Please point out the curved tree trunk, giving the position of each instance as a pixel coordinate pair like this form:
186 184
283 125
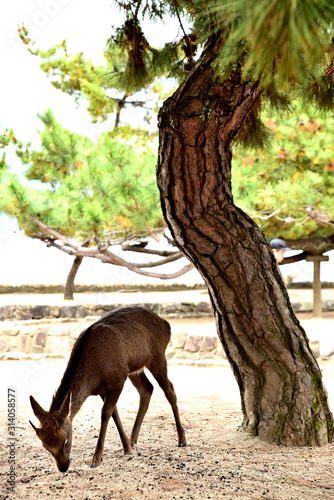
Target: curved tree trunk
69 285
282 395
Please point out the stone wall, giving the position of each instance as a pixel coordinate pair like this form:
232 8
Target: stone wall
51 330
158 287
30 339
46 289
24 312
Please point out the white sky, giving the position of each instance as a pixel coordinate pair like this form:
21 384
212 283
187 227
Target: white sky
25 89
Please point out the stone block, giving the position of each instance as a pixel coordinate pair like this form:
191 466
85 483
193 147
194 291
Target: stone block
82 311
220 352
40 337
206 355
193 343
54 311
179 340
4 344
170 353
25 342
36 349
170 309
27 330
13 342
9 328
204 307
9 312
209 343
67 311
38 312
22 312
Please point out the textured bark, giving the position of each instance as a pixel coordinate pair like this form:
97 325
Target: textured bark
282 395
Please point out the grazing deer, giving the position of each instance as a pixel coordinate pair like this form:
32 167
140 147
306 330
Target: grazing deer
117 346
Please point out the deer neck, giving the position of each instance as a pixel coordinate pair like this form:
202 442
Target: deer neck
74 381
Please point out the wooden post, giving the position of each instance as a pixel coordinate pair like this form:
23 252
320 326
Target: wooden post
317 302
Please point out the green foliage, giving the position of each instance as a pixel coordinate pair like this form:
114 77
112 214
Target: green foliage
134 62
288 189
284 45
75 76
88 84
106 189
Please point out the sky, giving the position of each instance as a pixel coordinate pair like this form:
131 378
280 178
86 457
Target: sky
26 91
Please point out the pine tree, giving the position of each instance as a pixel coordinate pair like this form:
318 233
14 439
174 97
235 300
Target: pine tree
236 57
124 202
288 187
101 194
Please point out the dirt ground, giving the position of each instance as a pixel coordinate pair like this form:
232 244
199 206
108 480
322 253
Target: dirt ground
219 461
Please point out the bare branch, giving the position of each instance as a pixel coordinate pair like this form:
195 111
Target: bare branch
170 258
140 249
105 255
293 258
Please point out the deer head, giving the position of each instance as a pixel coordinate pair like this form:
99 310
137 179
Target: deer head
55 431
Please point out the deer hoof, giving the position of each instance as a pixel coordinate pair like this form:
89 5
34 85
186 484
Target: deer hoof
182 445
96 463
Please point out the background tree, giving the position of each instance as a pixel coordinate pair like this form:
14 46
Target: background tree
56 166
89 84
102 194
288 188
236 56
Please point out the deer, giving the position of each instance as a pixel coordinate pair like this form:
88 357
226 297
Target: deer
116 347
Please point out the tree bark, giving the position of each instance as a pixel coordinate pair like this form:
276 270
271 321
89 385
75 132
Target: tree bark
282 395
69 285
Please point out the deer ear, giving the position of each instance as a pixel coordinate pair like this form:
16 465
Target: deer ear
38 410
65 407
35 428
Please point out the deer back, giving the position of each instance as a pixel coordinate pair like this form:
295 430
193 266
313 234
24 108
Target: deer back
124 339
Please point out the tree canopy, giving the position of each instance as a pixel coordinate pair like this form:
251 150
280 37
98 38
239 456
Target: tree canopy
104 190
286 186
101 193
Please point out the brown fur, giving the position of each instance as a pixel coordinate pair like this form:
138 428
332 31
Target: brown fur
117 346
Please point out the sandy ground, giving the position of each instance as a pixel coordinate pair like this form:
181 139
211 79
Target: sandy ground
219 462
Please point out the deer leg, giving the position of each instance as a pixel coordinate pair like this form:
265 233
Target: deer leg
145 389
127 447
158 368
108 408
